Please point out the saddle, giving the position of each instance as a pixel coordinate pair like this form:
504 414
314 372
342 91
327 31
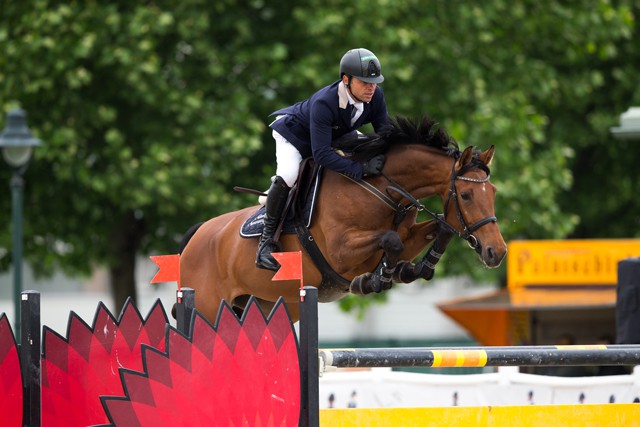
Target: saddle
297 218
300 204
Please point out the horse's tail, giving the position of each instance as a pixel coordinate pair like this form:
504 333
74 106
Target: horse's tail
183 244
188 235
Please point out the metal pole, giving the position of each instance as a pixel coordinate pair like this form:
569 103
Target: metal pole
309 364
30 358
186 298
17 186
482 356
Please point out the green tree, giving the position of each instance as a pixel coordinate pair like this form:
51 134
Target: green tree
151 112
144 122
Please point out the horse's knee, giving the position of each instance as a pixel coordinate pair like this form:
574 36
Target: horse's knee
391 244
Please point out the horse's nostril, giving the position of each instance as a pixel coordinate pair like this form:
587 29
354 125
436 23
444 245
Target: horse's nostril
491 254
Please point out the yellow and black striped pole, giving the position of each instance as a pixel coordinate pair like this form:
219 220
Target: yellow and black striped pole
452 357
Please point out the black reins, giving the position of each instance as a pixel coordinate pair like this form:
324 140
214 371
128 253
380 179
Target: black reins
467 231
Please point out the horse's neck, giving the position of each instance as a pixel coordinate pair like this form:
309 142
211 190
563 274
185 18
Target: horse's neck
342 202
422 171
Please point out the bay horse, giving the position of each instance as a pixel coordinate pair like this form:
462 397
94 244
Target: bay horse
367 231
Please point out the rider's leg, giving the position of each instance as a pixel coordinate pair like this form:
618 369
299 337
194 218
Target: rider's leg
288 162
276 200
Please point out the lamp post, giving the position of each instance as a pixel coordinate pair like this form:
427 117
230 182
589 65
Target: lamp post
17 143
629 125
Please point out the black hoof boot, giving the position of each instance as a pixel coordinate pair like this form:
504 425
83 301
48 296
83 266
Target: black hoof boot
366 284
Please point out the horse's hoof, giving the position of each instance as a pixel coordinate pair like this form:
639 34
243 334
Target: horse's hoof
428 274
376 284
356 286
366 284
405 273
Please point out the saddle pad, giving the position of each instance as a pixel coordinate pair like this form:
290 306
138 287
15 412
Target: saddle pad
252 227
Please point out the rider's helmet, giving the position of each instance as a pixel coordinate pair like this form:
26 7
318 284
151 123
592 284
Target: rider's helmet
363 64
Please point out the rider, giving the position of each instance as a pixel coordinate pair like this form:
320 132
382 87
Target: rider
307 129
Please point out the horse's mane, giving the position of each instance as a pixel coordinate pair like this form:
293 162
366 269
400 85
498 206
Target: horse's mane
401 131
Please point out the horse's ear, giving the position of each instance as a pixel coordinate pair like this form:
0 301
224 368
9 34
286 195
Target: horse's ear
487 156
465 158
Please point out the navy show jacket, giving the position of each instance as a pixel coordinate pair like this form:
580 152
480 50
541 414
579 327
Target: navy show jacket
312 124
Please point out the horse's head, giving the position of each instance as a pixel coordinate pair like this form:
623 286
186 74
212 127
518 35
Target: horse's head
469 205
415 151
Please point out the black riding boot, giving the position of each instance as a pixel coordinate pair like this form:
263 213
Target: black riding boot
276 201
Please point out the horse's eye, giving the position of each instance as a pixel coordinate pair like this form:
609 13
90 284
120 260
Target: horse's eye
466 196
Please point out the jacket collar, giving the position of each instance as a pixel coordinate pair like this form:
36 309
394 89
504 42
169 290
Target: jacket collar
343 99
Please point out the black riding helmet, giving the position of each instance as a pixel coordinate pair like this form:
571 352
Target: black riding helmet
363 64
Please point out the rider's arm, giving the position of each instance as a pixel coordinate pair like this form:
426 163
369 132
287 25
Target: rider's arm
321 122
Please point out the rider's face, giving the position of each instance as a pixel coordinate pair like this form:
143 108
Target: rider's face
360 90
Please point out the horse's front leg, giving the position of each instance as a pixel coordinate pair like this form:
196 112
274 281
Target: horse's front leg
408 272
381 279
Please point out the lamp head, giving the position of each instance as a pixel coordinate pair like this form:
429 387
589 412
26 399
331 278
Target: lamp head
16 141
629 125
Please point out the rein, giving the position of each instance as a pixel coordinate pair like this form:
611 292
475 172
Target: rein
401 210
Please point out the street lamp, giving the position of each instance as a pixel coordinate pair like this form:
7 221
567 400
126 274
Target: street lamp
16 143
629 125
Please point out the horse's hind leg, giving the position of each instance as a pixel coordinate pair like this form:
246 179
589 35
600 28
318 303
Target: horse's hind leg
380 280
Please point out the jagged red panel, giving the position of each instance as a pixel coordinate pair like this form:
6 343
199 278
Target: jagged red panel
11 398
78 370
240 373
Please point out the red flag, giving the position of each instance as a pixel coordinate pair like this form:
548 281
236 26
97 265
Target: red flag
290 265
168 268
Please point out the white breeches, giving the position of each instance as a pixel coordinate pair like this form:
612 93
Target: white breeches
288 159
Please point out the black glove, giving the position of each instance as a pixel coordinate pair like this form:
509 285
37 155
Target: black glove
373 166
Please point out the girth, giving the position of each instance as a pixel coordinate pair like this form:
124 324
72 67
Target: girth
309 170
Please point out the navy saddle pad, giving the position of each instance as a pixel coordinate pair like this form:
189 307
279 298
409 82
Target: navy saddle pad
253 226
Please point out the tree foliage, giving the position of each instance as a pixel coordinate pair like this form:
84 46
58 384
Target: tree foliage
151 111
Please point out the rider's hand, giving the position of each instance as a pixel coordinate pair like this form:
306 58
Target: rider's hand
373 167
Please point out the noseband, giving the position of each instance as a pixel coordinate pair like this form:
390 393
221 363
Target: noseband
467 231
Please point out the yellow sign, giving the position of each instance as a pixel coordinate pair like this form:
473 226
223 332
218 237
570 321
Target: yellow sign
567 262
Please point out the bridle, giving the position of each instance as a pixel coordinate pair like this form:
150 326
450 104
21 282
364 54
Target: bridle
467 231
441 219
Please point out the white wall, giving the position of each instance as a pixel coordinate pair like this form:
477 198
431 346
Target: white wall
383 388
